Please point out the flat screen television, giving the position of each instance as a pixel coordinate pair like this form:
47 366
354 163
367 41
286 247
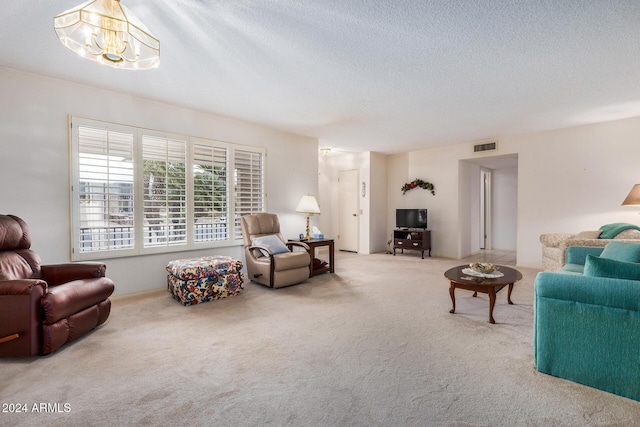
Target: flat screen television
411 218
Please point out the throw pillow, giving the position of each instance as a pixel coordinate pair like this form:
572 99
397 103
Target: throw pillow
603 267
585 235
622 251
272 242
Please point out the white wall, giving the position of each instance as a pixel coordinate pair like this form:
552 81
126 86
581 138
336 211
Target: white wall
504 208
569 180
372 171
469 207
397 165
440 167
502 231
34 164
573 180
377 193
329 168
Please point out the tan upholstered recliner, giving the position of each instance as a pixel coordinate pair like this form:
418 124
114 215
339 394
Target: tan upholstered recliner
270 259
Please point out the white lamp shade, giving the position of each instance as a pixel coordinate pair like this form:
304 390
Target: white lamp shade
308 204
633 198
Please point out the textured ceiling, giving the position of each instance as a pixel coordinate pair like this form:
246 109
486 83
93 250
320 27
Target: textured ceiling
386 76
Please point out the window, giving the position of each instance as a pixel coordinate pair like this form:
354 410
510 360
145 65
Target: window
249 181
137 191
164 170
210 192
105 196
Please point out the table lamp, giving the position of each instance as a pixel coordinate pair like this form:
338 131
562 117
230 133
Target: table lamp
633 198
308 205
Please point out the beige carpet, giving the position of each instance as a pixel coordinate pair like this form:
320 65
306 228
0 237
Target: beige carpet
372 345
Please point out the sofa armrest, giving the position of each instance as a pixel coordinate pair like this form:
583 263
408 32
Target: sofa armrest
299 244
554 240
23 287
585 330
257 251
596 291
58 274
578 254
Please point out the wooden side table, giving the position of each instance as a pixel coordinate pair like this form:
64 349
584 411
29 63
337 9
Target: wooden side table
313 244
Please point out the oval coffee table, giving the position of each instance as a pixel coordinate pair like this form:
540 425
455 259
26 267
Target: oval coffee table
481 284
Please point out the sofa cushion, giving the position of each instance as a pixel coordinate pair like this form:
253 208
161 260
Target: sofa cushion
583 235
66 300
578 254
605 267
292 260
622 251
14 267
572 269
272 242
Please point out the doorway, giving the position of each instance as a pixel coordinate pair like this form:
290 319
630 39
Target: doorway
485 208
488 204
348 219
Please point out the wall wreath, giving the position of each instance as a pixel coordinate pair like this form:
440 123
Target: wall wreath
418 183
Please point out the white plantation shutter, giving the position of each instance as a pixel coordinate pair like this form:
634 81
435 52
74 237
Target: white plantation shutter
105 192
165 191
210 192
138 191
249 185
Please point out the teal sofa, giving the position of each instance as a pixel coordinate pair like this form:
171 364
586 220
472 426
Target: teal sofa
587 319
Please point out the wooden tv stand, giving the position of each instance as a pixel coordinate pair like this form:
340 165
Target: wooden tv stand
415 239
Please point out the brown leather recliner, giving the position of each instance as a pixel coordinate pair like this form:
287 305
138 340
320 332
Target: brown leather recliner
271 269
42 307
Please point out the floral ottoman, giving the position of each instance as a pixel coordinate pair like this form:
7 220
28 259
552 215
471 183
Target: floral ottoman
196 280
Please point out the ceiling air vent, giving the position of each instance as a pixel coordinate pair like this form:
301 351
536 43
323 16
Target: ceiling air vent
487 146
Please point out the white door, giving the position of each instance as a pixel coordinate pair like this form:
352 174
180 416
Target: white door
348 211
485 209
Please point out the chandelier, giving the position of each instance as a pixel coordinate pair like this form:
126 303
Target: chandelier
107 32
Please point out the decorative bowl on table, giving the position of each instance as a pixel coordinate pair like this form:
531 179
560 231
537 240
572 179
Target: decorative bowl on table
483 267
